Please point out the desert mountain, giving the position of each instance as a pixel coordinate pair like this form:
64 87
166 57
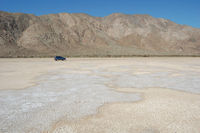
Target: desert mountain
83 35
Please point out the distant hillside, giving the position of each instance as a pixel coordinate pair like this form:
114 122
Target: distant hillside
67 34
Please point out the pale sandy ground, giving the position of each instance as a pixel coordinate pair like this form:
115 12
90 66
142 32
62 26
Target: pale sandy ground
100 95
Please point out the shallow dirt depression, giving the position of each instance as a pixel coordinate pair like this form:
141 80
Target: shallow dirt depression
100 95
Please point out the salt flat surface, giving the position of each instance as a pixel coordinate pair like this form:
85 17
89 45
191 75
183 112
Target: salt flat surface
76 88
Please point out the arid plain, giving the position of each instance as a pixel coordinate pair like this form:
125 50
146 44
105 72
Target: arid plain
100 95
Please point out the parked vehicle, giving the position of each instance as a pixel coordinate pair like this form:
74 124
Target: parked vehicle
57 58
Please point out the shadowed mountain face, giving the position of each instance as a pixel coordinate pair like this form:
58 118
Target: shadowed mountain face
83 35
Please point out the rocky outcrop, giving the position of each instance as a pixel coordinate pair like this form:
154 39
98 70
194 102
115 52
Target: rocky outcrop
83 35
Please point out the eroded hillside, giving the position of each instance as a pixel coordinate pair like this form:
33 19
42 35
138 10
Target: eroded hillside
83 35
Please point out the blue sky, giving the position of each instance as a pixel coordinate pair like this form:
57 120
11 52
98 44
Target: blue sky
180 11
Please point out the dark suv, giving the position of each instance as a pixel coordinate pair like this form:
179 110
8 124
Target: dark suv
56 58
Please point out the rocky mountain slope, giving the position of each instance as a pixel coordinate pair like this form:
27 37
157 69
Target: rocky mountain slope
27 35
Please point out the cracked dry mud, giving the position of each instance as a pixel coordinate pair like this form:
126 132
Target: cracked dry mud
100 95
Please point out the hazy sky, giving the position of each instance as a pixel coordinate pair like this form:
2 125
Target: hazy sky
180 11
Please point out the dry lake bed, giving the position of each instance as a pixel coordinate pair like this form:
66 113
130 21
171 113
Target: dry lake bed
100 95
